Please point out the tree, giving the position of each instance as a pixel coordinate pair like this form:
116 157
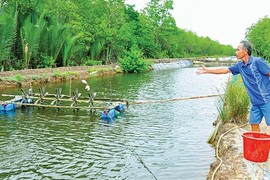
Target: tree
161 21
77 32
30 36
259 35
69 49
8 24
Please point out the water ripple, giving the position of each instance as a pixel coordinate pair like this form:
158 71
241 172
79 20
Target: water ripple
168 138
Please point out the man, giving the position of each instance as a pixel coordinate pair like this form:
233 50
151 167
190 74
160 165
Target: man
255 73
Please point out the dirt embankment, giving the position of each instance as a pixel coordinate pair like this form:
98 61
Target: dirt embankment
47 75
230 163
228 148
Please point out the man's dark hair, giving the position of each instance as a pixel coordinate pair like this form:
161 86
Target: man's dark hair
247 46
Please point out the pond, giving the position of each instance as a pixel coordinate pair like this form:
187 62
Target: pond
152 141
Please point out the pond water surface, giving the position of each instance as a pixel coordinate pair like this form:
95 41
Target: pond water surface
159 140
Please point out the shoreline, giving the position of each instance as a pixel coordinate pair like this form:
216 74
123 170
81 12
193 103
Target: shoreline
51 75
25 77
230 150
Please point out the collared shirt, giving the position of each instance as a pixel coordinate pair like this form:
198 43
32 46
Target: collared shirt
255 78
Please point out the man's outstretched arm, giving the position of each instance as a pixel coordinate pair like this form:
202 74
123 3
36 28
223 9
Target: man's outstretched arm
204 70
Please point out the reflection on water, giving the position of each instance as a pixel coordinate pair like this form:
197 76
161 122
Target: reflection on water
167 138
8 114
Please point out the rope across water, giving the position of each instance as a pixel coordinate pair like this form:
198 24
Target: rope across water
174 99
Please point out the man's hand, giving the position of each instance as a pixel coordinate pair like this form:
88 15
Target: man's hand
201 70
204 70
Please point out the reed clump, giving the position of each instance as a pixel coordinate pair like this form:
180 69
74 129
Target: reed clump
234 105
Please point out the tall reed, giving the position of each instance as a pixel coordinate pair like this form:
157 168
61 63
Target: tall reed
234 105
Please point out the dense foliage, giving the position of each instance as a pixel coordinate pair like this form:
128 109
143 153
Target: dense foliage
132 61
49 33
259 35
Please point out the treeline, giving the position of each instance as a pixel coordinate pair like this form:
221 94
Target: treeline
259 35
50 33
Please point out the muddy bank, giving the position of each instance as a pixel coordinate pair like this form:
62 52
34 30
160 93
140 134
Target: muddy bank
50 75
25 77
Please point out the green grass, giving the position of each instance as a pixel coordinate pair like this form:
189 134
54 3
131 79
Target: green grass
17 78
234 105
57 73
65 75
35 77
91 70
69 73
150 61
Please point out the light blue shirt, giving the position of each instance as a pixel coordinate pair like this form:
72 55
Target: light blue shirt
256 79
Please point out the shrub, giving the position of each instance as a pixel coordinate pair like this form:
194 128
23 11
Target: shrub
132 62
90 62
46 62
18 78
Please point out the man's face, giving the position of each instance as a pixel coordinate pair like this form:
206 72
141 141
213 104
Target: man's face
240 53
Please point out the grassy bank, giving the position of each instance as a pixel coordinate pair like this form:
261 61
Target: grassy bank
20 78
233 107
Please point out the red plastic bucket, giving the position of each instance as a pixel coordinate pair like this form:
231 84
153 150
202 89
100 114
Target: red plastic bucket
256 146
